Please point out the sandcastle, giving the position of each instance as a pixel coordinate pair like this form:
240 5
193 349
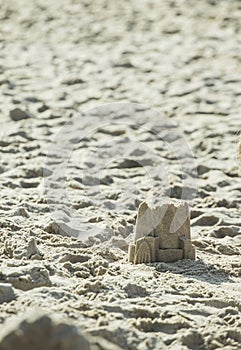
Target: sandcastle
162 234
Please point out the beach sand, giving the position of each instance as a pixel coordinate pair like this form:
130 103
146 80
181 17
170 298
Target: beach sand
103 105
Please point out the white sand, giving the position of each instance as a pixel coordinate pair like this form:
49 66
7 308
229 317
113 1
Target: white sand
59 59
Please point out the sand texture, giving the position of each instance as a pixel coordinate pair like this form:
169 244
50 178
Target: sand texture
103 105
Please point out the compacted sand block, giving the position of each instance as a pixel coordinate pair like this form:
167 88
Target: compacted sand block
162 234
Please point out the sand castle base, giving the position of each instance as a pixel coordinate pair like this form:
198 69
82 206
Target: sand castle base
162 234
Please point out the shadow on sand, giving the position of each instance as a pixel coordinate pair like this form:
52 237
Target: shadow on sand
196 269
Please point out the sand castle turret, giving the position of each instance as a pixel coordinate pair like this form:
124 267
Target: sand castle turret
162 234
